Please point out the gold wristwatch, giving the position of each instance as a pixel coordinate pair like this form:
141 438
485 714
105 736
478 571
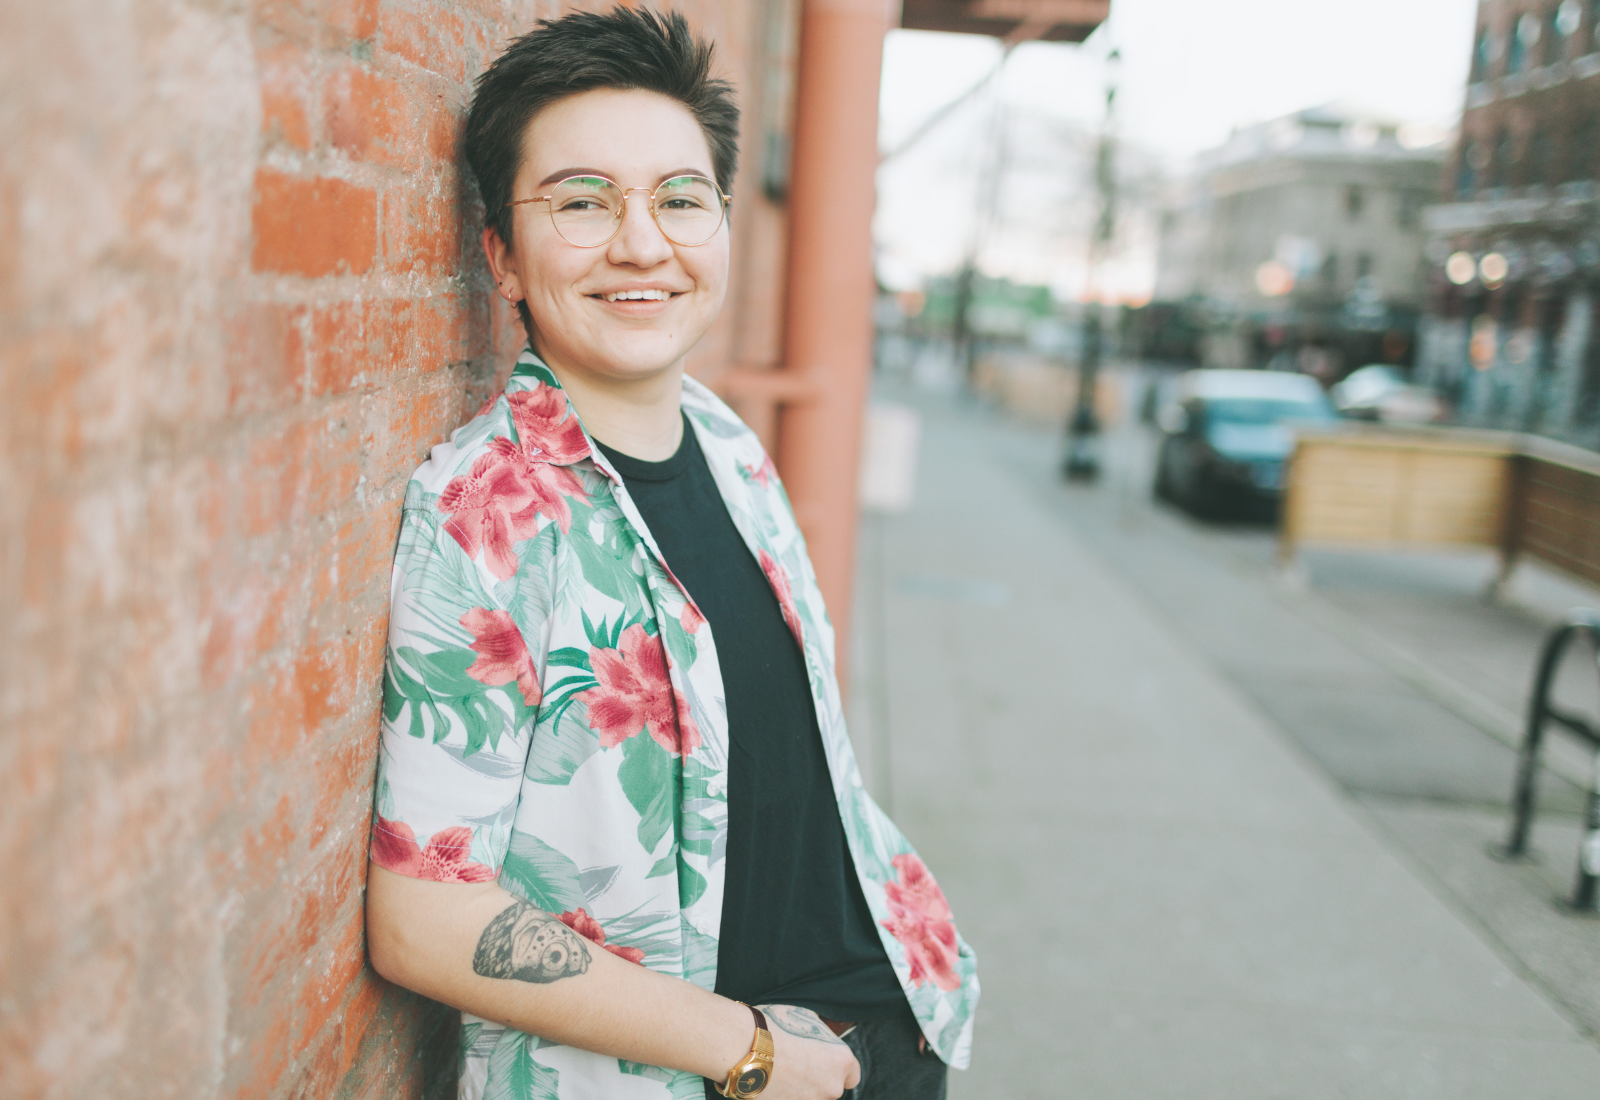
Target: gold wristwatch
750 1076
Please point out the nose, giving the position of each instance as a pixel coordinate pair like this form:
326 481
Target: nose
639 241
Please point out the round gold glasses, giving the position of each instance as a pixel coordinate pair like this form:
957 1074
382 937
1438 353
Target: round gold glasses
587 210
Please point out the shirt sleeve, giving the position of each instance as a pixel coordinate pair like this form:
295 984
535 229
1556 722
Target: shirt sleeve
460 693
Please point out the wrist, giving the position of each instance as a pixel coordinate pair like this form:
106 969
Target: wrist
732 1029
751 1075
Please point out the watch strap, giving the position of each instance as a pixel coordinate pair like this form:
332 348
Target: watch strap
761 1050
763 1032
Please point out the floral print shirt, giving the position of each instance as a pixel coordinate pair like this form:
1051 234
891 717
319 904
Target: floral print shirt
553 719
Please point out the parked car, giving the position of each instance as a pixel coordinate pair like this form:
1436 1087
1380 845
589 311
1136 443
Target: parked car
1378 391
1225 435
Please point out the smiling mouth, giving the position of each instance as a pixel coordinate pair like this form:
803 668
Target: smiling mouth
637 296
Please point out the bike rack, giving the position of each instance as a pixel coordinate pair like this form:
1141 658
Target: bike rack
1540 713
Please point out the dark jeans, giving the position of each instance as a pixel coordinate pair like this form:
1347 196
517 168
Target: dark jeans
892 1068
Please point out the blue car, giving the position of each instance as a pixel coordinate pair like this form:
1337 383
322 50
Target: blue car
1226 434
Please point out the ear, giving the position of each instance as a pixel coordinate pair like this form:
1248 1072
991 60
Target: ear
502 264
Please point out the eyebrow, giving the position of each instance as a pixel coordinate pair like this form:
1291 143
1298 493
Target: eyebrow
566 173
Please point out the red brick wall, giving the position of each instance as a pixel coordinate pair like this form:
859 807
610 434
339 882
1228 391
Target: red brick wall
240 296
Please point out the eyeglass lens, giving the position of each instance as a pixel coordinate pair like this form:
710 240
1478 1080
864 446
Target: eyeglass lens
588 209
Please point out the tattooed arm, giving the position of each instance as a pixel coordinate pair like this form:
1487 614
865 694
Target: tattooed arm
802 1023
478 948
529 945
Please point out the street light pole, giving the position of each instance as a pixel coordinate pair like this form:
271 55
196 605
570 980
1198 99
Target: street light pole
1083 428
991 176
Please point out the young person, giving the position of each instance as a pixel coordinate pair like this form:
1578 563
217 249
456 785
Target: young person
615 793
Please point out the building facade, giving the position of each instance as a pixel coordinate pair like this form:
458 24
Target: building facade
1511 335
1299 243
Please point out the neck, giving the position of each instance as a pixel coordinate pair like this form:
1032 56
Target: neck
639 417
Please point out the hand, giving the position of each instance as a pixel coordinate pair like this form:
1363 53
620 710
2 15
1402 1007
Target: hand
809 1062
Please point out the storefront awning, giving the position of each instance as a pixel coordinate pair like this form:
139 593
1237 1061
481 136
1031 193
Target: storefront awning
1012 20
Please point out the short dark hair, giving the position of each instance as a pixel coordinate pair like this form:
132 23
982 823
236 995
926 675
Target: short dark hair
623 49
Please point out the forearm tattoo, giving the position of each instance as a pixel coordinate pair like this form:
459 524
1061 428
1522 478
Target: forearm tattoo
800 1022
527 944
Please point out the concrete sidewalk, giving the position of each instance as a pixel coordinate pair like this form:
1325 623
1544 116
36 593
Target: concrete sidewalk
1167 899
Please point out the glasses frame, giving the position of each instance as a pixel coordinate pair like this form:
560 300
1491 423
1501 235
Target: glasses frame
622 210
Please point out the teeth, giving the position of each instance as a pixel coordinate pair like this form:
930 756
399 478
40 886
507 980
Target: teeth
638 296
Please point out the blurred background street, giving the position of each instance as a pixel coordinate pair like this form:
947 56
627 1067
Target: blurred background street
1214 833
1232 462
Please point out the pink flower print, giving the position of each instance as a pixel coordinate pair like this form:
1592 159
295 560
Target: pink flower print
446 859
780 588
635 693
502 654
690 618
919 918
764 474
589 928
499 502
544 427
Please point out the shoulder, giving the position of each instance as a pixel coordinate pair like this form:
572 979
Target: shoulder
469 443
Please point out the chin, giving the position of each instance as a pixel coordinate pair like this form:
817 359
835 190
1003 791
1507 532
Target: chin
640 355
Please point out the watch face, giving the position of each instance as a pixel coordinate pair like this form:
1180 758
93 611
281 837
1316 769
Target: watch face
753 1079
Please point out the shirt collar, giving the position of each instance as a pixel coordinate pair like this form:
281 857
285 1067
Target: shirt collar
548 426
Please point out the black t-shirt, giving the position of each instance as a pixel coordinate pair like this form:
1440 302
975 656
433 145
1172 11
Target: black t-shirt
795 926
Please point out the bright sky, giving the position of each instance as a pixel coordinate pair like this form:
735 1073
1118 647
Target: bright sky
1190 71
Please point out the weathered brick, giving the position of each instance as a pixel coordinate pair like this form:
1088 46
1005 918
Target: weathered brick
323 991
421 230
381 118
265 356
353 571
286 86
319 24
339 798
360 1012
430 39
313 227
206 439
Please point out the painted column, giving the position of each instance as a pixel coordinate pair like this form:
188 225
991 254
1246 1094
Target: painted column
828 327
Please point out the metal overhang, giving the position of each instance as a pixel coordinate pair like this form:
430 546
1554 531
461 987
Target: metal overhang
1012 20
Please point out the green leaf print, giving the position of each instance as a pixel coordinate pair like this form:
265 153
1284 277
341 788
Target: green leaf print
527 595
606 566
699 955
680 1086
556 694
681 646
433 561
648 779
514 1075
696 832
951 1035
541 875
561 744
691 883
528 368
441 684
571 657
464 1041
697 776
